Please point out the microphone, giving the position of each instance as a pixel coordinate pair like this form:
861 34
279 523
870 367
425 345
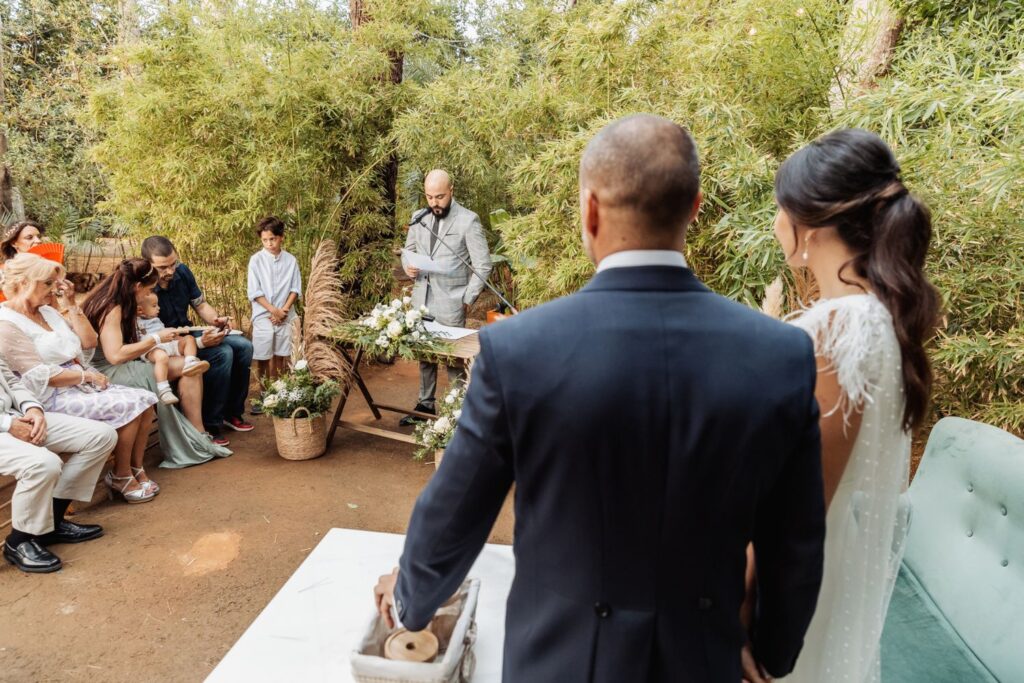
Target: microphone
419 219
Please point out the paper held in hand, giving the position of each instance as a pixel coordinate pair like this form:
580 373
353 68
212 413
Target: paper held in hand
446 332
423 262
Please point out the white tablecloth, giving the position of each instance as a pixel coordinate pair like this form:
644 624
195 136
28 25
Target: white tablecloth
315 620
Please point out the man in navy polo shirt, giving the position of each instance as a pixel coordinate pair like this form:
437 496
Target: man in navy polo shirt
226 383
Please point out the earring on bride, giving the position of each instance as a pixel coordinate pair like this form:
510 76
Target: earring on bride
807 241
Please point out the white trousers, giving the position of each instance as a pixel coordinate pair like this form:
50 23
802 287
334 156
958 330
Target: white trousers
269 339
42 476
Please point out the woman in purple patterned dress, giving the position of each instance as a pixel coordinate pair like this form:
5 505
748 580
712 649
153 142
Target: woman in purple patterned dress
48 354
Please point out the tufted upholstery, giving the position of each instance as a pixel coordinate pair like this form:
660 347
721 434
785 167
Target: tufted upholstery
957 612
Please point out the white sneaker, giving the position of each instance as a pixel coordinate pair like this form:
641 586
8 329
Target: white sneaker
194 366
167 397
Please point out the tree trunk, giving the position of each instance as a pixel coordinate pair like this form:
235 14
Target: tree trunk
869 42
388 175
128 29
6 181
357 11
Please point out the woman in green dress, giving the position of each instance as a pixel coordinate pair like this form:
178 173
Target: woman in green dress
113 311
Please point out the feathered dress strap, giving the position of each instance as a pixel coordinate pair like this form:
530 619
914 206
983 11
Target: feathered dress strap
849 333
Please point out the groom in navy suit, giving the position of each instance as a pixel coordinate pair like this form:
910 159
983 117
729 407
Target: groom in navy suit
653 430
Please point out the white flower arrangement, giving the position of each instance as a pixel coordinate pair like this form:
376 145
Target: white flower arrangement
394 329
298 389
436 434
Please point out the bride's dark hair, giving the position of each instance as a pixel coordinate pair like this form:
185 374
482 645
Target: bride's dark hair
850 180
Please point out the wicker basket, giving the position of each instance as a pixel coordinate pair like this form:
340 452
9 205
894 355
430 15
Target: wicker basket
454 624
300 438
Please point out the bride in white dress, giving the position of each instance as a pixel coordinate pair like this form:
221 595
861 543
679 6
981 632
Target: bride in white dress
846 216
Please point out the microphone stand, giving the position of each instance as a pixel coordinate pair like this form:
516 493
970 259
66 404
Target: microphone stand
419 219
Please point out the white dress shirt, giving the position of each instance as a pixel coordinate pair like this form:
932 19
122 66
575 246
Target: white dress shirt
643 257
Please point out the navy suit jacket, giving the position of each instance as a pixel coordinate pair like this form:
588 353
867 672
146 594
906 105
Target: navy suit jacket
653 429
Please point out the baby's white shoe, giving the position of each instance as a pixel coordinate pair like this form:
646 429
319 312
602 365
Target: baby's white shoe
194 366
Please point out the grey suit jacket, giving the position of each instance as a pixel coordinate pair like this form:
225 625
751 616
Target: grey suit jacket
445 294
14 398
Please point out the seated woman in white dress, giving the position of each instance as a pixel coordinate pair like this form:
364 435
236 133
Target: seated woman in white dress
41 347
845 215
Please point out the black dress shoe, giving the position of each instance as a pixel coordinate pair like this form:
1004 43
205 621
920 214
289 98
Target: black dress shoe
31 557
69 532
410 420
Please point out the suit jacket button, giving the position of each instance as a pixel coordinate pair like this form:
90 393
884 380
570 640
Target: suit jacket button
704 604
602 609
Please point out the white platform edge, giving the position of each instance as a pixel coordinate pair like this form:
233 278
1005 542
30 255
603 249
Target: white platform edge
308 629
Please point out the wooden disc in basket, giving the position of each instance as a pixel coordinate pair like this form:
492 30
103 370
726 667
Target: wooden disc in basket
411 646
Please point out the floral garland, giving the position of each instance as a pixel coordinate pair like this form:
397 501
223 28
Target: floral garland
395 329
437 434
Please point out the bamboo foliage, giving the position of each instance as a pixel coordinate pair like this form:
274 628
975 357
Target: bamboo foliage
510 125
227 112
216 113
954 110
49 52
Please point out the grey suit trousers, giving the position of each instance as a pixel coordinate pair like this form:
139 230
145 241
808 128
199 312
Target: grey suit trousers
428 371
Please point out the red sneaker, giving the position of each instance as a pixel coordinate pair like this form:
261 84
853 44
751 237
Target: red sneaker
238 424
217 439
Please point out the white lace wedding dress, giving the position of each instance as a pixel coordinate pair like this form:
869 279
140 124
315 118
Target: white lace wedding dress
866 522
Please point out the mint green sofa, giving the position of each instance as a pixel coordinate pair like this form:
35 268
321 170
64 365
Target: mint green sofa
957 612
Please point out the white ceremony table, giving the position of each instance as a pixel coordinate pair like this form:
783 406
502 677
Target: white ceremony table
465 348
309 628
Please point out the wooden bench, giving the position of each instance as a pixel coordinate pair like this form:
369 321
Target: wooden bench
7 484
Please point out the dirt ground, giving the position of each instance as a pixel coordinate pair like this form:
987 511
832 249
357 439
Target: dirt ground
174 583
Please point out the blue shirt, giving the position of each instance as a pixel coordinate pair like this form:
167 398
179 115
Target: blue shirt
181 294
273 277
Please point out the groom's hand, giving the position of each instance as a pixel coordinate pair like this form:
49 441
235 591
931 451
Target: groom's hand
384 595
752 671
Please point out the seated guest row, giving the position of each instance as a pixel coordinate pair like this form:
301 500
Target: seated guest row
89 381
81 386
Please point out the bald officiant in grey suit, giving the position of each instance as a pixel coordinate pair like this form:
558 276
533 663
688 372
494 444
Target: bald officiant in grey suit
450 234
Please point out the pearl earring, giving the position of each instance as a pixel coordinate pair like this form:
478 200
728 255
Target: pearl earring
807 241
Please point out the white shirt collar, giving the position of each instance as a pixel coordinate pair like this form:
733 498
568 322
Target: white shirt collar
274 257
642 257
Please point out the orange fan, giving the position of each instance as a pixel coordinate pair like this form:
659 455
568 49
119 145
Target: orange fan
49 250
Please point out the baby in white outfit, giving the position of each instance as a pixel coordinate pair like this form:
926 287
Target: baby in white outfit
161 354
